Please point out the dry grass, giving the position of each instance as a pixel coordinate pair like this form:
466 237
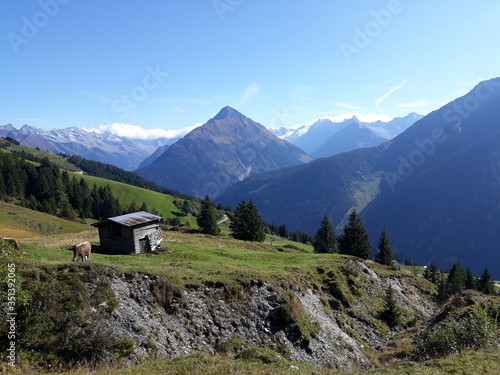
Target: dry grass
61 241
486 362
22 223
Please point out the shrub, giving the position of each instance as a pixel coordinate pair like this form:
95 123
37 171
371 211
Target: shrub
476 329
231 345
292 315
125 347
164 292
262 355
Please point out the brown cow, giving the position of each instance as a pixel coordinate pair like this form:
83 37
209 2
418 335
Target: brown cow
82 250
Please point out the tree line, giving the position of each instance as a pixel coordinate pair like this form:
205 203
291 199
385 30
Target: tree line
248 225
44 187
353 241
111 172
458 279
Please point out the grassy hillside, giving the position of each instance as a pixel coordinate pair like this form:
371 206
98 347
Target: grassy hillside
56 159
194 259
127 194
265 363
190 258
19 222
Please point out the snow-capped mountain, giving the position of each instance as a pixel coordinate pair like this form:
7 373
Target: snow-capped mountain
326 137
100 145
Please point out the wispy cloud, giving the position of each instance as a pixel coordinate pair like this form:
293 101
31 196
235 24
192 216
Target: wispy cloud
248 93
137 132
347 105
414 104
382 99
95 96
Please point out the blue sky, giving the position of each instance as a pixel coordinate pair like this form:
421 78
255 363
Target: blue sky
169 64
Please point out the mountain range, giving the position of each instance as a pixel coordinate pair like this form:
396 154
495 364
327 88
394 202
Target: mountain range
228 148
327 138
124 152
436 186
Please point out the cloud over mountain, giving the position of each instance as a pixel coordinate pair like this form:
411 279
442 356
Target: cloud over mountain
137 132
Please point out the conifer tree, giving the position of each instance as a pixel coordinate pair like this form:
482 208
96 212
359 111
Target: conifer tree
470 280
391 313
207 219
247 224
442 287
354 240
283 231
485 285
144 207
133 207
385 255
431 273
325 240
456 279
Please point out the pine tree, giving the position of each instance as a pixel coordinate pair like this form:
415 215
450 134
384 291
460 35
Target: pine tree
325 240
207 219
354 240
442 287
470 280
456 279
391 314
431 273
133 207
385 255
144 207
283 231
485 285
66 211
247 224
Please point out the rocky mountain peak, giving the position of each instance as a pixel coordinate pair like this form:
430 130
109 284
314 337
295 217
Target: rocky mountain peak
228 112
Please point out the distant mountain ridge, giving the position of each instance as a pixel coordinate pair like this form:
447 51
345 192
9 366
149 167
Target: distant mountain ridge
436 186
226 149
327 138
123 152
109 145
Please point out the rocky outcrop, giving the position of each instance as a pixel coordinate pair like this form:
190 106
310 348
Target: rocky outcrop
335 326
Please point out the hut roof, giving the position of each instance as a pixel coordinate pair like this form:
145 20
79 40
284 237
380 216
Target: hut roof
133 219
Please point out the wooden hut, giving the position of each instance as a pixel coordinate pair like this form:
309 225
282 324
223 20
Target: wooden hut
131 233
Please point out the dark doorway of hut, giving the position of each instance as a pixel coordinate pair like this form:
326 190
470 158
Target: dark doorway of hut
145 244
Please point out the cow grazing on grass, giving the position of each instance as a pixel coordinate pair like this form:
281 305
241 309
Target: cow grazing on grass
82 250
